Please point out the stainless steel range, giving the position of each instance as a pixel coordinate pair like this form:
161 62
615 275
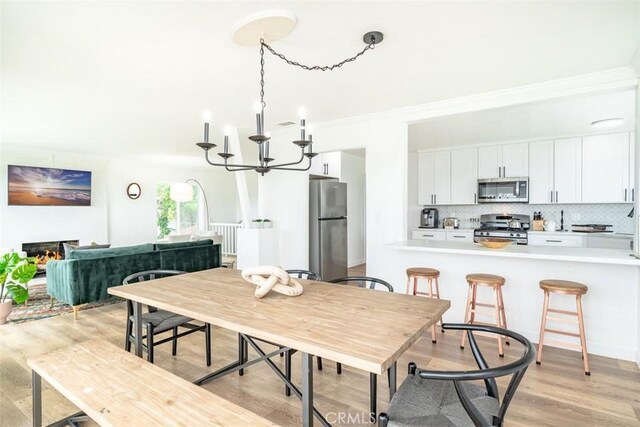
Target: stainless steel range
504 226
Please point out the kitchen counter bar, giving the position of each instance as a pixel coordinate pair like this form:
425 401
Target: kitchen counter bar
611 307
588 255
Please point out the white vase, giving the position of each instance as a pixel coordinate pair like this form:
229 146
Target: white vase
5 311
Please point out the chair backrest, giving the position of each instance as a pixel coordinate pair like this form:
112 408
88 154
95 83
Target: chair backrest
143 276
147 275
364 282
516 369
304 274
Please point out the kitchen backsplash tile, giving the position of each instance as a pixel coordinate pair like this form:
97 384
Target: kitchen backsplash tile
613 214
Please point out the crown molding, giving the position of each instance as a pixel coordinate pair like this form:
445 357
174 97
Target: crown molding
609 80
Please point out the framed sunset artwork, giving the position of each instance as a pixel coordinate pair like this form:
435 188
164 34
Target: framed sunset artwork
35 186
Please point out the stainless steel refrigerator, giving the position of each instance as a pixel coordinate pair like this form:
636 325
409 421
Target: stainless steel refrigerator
328 228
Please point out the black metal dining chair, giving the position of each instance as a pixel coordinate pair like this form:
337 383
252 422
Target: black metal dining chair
157 321
449 398
304 274
361 282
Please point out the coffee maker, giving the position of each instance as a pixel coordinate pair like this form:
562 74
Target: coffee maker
429 218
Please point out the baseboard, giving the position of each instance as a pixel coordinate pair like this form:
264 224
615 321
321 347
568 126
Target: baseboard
356 263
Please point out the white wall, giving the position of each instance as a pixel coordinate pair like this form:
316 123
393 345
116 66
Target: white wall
112 217
352 171
133 221
22 224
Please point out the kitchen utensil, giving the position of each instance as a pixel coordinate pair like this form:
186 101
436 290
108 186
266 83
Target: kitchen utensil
494 243
515 224
550 225
450 222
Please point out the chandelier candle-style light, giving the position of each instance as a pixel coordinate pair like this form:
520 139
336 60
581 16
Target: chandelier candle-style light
266 163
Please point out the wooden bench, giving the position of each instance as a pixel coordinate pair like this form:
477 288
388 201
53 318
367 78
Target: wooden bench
116 388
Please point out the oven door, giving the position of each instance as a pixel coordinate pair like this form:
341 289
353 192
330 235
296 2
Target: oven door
503 190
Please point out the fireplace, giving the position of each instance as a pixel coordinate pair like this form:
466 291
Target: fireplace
46 251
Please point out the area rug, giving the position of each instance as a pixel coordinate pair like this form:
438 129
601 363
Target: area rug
39 306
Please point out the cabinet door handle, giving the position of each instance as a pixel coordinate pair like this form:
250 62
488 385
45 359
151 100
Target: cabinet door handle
625 194
475 198
428 235
551 196
435 199
499 172
556 196
633 194
504 171
554 241
459 237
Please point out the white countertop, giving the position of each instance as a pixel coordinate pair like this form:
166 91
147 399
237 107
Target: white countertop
627 236
590 255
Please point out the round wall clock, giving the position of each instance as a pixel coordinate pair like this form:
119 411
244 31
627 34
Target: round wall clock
134 190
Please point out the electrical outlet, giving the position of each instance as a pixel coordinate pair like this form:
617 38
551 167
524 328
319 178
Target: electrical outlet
575 217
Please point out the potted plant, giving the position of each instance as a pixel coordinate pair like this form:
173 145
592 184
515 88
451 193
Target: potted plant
15 273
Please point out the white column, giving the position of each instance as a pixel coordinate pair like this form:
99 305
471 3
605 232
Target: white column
241 178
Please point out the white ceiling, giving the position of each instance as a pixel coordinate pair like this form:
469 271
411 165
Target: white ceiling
133 77
540 120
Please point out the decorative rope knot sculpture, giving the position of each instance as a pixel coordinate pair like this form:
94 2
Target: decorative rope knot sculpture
269 278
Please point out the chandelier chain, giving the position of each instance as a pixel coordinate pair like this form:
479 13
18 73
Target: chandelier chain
370 46
264 104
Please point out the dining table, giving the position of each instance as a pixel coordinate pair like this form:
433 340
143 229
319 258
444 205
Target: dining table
359 327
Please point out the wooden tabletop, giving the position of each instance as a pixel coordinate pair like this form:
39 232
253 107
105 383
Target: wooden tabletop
116 388
363 328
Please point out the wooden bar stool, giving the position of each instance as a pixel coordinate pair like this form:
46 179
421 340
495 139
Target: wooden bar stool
432 275
551 286
495 283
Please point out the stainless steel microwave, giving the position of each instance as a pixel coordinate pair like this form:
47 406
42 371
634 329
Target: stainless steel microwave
503 190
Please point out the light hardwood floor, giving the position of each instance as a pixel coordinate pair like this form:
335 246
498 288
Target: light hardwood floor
554 394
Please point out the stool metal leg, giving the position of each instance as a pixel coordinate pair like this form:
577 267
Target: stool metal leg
543 326
583 340
373 395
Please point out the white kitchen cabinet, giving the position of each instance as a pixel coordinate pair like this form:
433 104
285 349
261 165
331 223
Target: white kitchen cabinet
464 176
434 178
459 236
541 185
327 165
429 234
515 160
567 170
555 171
605 168
490 162
499 161
554 239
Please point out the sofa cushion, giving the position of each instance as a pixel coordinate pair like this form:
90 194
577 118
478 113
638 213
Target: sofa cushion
109 252
181 245
67 247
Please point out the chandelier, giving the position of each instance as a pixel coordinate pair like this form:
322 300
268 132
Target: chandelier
266 162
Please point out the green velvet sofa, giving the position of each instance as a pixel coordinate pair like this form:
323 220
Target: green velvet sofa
85 275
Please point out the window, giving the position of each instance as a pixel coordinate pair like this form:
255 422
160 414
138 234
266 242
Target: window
177 218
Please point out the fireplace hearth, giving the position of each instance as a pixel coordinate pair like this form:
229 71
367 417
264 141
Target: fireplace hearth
46 251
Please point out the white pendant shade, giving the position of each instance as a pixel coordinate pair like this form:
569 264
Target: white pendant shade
181 192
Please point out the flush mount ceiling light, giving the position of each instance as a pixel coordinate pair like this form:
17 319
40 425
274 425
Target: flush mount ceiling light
258 29
607 123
